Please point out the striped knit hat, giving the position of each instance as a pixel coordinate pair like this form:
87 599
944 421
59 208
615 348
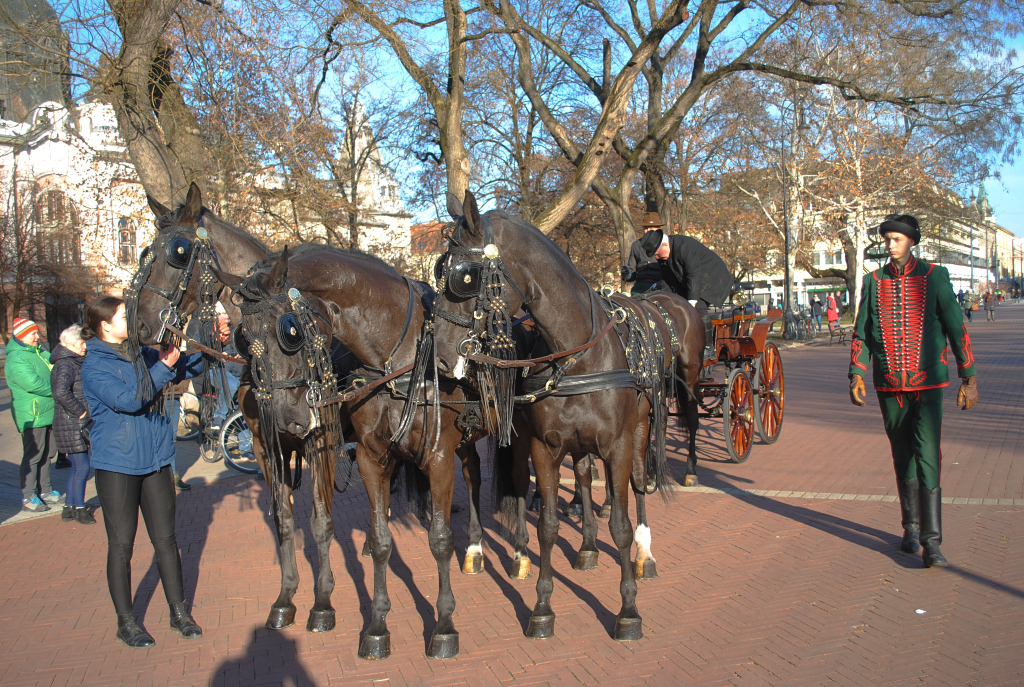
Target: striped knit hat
23 327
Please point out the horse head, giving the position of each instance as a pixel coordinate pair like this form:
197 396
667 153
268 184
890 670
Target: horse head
286 336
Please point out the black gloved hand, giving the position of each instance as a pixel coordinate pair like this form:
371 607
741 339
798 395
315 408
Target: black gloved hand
628 274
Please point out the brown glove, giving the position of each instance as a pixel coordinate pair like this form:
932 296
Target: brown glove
967 397
857 390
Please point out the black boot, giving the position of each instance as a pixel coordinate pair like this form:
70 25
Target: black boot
67 514
181 620
910 505
84 517
931 527
129 632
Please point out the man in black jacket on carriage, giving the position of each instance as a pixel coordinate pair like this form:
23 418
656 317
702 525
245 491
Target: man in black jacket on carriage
692 270
642 269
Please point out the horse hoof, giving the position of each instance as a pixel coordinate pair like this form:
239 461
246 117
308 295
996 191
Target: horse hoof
443 646
606 511
691 481
645 569
320 621
534 506
473 564
521 569
366 549
586 560
375 647
628 629
281 617
541 627
574 510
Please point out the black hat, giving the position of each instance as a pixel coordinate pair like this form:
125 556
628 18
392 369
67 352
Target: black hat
902 224
652 241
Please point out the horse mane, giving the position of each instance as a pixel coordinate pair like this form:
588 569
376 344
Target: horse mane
254 285
171 219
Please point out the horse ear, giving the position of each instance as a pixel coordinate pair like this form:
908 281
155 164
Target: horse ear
472 213
156 206
193 203
276 279
226 278
454 205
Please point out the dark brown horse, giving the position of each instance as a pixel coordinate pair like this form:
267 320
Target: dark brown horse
517 266
380 316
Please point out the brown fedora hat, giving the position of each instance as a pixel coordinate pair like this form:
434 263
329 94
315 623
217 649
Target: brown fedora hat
652 219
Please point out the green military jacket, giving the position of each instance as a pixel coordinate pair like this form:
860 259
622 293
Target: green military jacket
903 324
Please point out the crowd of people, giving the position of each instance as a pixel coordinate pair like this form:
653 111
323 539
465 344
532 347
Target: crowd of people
87 400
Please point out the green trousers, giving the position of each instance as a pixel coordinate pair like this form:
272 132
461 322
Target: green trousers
913 423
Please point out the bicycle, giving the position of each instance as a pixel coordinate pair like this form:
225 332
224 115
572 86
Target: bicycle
188 417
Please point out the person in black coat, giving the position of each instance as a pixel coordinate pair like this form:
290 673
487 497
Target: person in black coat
692 270
70 415
642 269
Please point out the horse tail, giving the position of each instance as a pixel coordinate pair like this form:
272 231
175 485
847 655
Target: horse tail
503 491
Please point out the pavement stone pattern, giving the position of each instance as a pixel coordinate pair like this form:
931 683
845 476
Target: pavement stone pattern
784 570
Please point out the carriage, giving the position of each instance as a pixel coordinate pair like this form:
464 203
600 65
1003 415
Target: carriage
743 382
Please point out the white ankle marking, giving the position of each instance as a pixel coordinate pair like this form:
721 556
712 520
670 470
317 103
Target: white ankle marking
474 549
643 538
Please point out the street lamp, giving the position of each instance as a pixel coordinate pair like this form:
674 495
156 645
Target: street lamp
802 127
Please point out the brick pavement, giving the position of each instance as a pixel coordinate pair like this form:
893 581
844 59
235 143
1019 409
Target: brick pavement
753 589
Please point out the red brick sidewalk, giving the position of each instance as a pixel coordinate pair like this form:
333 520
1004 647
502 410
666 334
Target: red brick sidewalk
753 590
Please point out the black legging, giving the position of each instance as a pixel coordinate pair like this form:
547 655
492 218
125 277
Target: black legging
121 497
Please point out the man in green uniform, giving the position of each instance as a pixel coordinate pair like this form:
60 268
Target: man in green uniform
907 313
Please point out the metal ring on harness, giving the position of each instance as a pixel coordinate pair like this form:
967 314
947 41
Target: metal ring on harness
621 314
468 346
313 396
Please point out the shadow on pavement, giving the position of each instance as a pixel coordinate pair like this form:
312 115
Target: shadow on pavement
270 658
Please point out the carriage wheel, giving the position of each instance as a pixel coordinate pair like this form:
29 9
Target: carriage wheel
770 398
738 416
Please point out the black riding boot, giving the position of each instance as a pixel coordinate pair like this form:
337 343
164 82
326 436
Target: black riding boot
910 505
181 620
931 527
129 632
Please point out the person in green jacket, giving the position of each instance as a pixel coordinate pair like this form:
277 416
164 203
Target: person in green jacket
28 376
908 322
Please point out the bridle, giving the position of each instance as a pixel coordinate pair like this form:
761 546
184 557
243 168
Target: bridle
194 257
298 334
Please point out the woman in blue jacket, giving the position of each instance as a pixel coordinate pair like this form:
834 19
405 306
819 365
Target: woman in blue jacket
132 447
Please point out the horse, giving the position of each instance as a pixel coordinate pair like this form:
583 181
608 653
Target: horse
380 316
496 264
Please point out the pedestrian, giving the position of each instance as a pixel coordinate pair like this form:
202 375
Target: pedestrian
960 298
70 416
990 306
28 375
132 446
816 311
908 312
832 311
969 306
642 269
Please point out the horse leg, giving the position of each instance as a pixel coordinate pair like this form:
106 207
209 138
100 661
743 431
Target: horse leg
606 507
474 560
542 620
282 613
376 642
574 509
521 567
321 616
646 567
444 642
628 625
692 425
586 559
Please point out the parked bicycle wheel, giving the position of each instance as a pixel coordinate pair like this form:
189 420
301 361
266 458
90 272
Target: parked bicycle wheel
236 444
188 417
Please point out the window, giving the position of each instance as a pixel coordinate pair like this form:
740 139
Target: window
56 219
126 254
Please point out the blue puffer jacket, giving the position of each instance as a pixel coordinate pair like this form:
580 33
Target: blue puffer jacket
128 435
